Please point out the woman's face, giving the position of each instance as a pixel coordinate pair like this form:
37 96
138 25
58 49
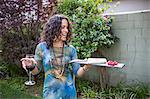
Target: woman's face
64 31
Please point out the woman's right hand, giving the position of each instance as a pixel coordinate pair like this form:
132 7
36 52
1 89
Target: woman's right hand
27 62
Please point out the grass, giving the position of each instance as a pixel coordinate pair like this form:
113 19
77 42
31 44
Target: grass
10 93
14 88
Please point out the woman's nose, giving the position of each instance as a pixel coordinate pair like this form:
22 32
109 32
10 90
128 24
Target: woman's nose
66 30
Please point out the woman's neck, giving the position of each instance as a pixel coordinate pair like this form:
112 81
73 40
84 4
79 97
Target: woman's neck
58 44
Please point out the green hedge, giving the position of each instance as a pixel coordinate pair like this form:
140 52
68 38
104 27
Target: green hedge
90 30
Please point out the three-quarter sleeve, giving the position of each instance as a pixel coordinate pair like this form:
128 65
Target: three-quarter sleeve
38 56
75 66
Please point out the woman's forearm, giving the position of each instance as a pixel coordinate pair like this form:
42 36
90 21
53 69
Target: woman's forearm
83 69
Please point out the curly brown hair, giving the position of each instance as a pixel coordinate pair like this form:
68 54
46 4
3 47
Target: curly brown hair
52 29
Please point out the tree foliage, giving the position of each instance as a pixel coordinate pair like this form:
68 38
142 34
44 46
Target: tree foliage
91 31
20 26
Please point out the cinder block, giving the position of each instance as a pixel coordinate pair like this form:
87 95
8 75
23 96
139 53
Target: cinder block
145 32
134 32
138 24
135 17
120 18
146 23
123 25
146 16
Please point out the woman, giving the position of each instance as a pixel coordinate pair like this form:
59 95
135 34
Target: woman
54 54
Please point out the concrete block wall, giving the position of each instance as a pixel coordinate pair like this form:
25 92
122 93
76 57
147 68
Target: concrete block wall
133 49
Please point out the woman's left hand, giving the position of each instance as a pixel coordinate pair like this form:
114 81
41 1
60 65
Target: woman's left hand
84 69
87 67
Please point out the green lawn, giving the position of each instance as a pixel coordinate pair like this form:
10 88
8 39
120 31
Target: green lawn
13 89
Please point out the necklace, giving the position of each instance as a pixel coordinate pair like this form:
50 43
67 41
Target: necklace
58 64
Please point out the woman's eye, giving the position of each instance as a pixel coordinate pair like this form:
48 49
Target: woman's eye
63 27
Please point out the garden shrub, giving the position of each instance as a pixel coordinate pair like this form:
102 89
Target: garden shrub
21 24
90 90
90 30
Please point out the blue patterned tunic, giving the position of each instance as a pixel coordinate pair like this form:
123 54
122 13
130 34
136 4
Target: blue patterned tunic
55 88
